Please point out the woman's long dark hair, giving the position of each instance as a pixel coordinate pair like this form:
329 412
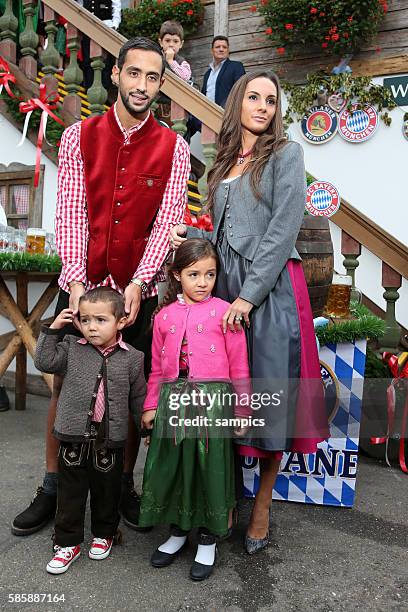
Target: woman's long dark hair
188 252
229 139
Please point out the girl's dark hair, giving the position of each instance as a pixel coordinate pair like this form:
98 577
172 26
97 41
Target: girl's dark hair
107 295
142 43
188 253
229 139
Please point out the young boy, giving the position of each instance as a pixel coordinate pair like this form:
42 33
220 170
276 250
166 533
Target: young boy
103 378
171 39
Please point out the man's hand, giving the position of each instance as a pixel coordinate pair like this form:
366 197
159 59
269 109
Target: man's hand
133 296
176 234
65 317
236 313
75 292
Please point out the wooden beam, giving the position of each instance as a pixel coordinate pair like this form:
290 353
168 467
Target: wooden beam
377 67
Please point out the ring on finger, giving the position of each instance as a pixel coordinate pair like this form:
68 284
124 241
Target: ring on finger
238 317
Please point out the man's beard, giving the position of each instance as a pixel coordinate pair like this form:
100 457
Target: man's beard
135 113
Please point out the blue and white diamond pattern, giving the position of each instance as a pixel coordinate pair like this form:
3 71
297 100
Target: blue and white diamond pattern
321 199
347 361
358 121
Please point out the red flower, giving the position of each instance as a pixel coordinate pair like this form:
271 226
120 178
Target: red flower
322 14
324 45
264 2
350 19
335 37
289 26
190 12
268 31
378 49
346 35
327 37
253 8
281 50
313 10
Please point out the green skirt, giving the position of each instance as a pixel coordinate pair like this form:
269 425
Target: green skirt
188 478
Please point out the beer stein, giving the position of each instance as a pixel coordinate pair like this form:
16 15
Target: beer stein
35 241
338 302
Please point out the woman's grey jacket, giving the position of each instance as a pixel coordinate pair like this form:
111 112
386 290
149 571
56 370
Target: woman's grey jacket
264 230
84 368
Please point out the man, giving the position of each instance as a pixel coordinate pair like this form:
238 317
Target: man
121 187
219 79
222 73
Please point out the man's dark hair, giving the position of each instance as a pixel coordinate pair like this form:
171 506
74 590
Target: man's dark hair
214 40
107 295
140 42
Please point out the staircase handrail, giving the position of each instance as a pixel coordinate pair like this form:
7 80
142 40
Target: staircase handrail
175 88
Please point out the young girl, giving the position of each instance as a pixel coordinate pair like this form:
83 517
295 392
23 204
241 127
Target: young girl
189 472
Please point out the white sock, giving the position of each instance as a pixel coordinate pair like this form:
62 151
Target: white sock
205 554
173 544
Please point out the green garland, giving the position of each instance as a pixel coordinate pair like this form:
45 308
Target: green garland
353 89
27 262
54 129
365 325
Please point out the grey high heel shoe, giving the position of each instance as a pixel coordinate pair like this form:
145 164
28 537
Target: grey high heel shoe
254 545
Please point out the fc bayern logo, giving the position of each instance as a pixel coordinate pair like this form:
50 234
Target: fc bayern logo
359 124
319 125
322 199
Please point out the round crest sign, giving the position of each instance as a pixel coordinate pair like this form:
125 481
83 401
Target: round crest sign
359 124
319 125
322 199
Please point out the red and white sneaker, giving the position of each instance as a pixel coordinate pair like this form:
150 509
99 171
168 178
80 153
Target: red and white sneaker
100 548
63 558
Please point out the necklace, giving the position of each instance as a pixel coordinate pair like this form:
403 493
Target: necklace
242 156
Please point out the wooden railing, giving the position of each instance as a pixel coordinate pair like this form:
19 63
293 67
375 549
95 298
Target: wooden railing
357 229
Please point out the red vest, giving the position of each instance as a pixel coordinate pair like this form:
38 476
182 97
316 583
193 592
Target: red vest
124 189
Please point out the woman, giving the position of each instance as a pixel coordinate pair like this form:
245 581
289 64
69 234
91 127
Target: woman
256 197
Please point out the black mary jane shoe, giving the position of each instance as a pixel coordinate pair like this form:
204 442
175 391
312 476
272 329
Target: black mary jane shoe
200 571
163 559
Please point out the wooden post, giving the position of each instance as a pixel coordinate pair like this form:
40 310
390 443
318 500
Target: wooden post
391 281
351 249
29 42
178 118
97 94
73 75
221 17
8 29
21 358
50 56
208 138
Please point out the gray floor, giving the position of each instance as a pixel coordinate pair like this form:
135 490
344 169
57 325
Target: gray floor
321 559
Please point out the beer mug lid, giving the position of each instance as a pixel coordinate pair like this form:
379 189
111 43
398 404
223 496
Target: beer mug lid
36 231
342 279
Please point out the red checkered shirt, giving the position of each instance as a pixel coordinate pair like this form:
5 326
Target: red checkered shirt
71 219
99 409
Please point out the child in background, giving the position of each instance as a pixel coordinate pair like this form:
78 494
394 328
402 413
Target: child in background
189 473
103 378
171 40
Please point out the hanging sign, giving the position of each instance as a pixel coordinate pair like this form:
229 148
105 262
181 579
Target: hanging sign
322 199
359 124
399 89
319 125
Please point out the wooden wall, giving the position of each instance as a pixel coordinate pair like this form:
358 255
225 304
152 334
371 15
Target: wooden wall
250 46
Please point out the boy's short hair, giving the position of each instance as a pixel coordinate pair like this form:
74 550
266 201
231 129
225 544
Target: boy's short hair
107 295
171 27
